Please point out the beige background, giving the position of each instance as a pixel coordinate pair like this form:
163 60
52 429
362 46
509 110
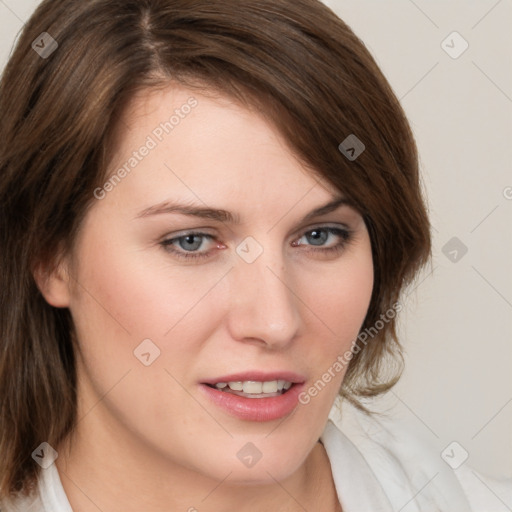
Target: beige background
457 327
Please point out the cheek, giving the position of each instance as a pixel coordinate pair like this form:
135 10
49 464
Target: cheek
338 301
119 302
124 299
345 296
340 296
123 291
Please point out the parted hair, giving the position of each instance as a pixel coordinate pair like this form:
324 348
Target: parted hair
293 60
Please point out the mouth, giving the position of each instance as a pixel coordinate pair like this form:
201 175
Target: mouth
255 396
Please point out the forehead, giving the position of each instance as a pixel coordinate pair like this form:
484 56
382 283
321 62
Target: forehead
205 147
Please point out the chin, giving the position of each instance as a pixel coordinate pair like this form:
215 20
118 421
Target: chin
264 471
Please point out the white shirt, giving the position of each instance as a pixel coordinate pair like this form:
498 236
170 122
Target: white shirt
377 466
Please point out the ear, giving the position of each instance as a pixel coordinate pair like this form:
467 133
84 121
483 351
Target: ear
54 283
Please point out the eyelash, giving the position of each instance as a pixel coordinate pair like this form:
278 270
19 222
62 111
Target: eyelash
344 234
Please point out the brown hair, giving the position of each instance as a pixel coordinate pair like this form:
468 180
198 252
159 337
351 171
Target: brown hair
293 59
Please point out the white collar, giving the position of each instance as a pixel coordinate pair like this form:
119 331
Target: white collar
357 487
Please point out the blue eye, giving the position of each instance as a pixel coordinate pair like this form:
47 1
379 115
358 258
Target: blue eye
186 246
187 243
319 235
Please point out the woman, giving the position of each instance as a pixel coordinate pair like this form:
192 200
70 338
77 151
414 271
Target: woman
205 209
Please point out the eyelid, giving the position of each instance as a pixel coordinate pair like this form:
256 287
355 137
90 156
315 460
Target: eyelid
320 225
299 233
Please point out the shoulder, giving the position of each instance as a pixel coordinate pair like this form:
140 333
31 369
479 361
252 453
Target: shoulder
409 470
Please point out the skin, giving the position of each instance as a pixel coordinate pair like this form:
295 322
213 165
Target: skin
147 437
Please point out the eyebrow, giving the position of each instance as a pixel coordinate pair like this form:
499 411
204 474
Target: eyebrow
168 207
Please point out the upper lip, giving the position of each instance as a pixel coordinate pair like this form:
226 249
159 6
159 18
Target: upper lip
258 376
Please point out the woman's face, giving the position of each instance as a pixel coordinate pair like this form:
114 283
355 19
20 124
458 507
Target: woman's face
164 302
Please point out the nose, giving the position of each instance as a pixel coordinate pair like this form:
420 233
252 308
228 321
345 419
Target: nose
264 305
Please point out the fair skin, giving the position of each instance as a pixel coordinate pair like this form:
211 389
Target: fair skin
147 437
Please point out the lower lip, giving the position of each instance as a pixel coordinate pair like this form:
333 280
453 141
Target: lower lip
256 409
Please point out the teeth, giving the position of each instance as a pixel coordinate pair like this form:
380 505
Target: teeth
270 387
252 387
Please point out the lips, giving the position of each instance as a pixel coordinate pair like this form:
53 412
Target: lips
258 408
